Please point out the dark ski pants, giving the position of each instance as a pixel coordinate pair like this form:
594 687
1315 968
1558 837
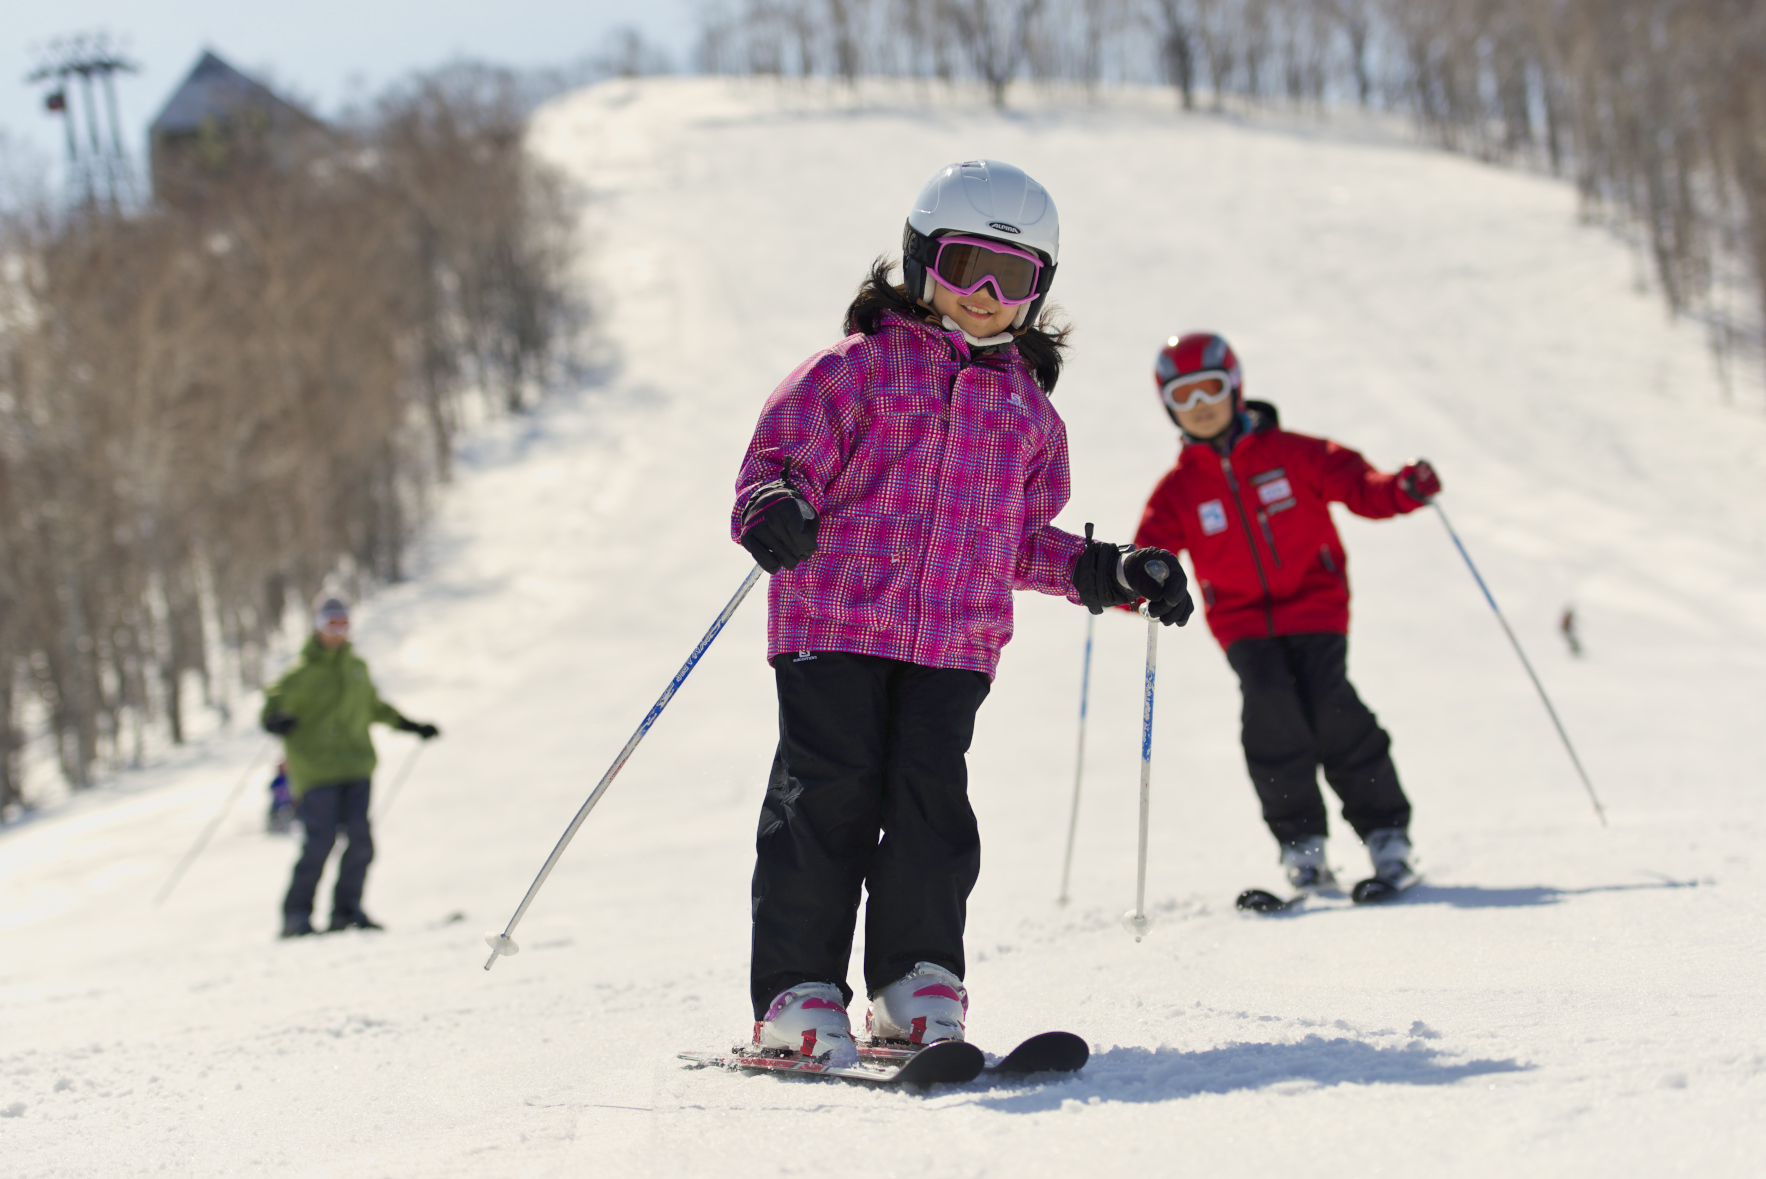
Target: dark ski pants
869 788
324 810
1301 713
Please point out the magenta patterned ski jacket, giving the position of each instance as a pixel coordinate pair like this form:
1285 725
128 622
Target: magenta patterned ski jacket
935 474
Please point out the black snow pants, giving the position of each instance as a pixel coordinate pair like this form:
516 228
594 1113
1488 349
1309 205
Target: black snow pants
1300 713
323 811
869 788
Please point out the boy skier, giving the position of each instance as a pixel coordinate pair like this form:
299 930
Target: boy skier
321 708
1251 502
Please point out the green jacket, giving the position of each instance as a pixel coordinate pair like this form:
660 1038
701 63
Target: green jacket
333 701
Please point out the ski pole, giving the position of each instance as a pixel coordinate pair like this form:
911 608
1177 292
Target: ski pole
502 943
1136 920
1599 811
1091 621
398 783
213 824
1079 759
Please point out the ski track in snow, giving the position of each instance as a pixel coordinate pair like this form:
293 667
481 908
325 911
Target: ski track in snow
1554 998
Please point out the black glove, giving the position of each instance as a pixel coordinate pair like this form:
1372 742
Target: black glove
1094 576
1168 596
779 527
426 731
280 723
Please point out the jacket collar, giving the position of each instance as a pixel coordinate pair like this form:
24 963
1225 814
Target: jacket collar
954 338
315 650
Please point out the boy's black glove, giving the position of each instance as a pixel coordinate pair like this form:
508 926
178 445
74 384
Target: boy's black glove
1116 575
426 731
779 527
280 723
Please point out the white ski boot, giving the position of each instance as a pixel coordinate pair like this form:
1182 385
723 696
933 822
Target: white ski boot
809 1020
1305 862
928 1005
1389 849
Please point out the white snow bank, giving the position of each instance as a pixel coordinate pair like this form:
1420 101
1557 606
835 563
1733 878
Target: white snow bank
1556 999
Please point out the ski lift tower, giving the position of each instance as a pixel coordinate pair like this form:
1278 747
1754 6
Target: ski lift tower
98 171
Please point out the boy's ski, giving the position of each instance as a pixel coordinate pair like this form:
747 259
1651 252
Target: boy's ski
1058 1052
1257 900
1373 890
950 1062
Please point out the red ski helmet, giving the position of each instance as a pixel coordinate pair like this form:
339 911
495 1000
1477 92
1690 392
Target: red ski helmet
1196 355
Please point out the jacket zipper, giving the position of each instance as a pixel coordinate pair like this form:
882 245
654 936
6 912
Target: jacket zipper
1226 464
1263 519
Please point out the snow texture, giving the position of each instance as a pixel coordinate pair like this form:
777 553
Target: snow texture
1555 998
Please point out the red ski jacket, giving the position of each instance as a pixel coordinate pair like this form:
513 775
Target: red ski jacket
1258 527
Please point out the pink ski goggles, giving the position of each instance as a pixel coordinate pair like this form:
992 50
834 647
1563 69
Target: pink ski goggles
966 264
1184 393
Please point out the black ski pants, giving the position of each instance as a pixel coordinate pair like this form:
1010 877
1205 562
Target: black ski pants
324 810
869 788
1301 713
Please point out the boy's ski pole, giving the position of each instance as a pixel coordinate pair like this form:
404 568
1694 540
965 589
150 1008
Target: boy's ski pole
214 823
1079 759
1136 920
502 943
398 783
1091 621
1599 811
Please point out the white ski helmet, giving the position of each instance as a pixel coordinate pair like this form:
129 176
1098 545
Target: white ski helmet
988 199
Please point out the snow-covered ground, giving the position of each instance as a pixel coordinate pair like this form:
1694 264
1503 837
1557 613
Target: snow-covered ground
1558 998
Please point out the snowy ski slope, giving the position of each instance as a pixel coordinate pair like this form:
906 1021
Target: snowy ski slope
1558 999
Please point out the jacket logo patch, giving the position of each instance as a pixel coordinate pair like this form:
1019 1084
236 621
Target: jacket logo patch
1213 517
1275 489
804 657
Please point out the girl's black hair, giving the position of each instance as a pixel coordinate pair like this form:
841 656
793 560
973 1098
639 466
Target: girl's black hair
1040 345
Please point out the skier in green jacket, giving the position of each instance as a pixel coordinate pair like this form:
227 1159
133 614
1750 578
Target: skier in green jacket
321 708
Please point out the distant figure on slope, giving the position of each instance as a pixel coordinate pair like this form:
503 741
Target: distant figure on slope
321 708
1572 636
899 487
1251 502
281 817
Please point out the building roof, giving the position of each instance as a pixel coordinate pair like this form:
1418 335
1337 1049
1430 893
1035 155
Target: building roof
216 91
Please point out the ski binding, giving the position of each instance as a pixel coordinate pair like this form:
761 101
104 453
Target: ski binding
949 1062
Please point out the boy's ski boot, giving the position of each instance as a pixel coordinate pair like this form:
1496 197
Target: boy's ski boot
928 1005
809 1020
1307 870
1389 849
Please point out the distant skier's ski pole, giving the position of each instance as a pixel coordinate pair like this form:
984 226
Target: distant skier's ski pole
1136 920
1599 811
1079 760
214 823
398 783
502 943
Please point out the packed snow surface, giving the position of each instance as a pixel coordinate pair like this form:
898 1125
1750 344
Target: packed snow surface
1556 998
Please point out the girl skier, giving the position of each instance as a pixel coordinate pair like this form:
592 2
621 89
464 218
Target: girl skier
1251 502
899 487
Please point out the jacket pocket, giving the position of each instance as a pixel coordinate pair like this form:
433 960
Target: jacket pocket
863 571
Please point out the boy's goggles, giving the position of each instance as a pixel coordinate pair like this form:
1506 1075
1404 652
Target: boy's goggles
965 264
1192 389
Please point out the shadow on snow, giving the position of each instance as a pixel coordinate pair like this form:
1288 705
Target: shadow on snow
1470 896
1466 896
1165 1074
